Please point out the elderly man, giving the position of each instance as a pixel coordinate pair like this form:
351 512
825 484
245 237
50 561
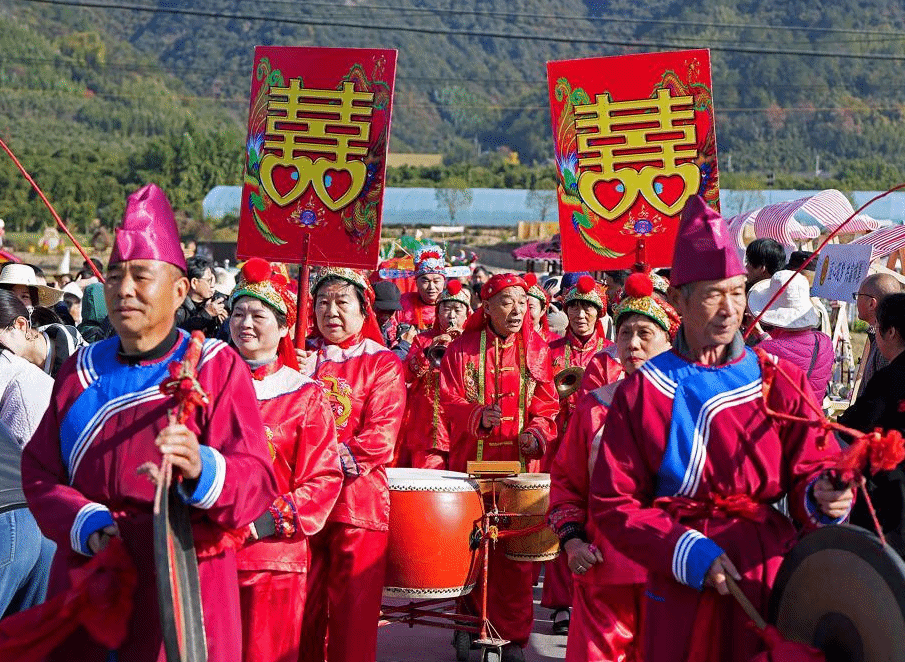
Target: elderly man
107 418
497 393
420 307
871 291
690 462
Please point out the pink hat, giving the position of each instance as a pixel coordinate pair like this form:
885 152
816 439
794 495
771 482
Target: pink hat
148 230
704 248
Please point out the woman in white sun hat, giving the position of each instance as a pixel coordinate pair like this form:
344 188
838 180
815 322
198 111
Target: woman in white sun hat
21 280
791 323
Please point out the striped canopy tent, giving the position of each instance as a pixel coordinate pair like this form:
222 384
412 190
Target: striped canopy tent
884 241
828 208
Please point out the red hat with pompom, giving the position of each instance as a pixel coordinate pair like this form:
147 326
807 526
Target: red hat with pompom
586 289
454 291
535 290
638 299
257 279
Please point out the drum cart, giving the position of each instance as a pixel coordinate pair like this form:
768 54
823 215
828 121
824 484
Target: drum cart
471 630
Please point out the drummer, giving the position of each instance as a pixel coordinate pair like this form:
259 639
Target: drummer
609 588
364 385
585 305
424 439
690 462
496 390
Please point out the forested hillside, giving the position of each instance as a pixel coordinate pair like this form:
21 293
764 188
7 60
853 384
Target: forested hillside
99 99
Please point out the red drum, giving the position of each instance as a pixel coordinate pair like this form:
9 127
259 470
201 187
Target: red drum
432 515
528 494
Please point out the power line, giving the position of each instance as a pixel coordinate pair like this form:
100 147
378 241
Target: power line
633 43
590 18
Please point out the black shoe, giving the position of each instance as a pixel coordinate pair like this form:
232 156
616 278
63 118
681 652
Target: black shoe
561 626
513 653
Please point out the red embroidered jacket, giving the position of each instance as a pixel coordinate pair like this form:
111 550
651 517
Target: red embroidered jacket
365 387
301 437
480 369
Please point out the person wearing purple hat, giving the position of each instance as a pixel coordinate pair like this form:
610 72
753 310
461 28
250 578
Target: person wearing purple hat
108 417
690 462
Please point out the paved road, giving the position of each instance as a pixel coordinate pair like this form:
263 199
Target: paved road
400 643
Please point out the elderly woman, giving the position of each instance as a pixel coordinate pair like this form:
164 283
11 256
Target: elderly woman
791 324
585 304
47 347
425 437
365 387
606 597
302 440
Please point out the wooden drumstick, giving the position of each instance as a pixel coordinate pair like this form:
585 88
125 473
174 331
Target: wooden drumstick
745 604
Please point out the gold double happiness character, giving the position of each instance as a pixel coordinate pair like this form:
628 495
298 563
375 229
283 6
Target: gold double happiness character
300 122
658 131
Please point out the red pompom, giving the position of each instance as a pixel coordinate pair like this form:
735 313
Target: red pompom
886 450
454 286
530 280
256 270
279 280
639 285
586 284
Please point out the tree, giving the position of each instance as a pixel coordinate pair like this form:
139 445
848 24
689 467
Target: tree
543 198
453 196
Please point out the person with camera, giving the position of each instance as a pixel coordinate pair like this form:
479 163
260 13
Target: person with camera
204 309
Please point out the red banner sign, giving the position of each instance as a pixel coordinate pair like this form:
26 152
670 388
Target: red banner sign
318 130
634 138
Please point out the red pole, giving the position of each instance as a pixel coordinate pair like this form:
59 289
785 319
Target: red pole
53 212
304 294
641 256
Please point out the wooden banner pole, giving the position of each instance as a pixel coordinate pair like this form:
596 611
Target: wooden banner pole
304 294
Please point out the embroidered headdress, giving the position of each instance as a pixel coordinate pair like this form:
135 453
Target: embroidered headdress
586 289
639 299
258 280
430 260
454 291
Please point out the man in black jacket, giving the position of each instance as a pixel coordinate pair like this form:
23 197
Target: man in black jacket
882 405
202 310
